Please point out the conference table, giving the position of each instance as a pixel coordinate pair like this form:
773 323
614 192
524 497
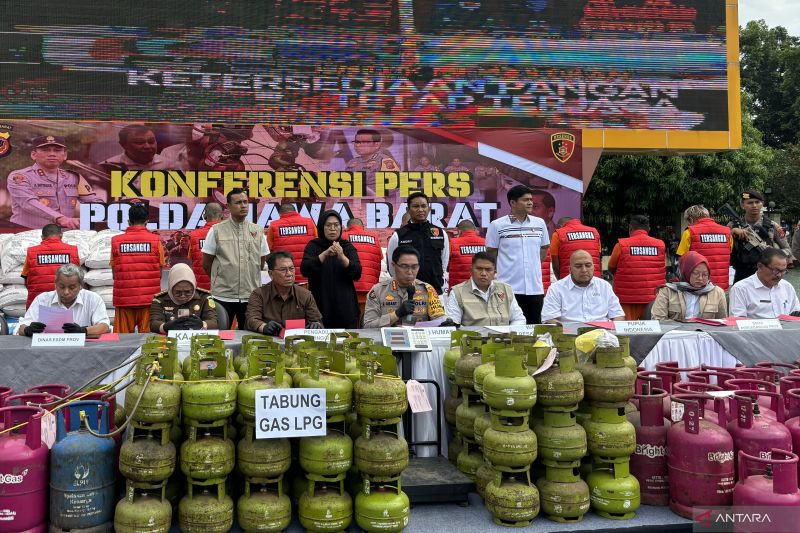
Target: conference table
689 344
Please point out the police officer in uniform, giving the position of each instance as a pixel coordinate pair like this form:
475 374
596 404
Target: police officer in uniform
403 300
371 157
43 193
183 305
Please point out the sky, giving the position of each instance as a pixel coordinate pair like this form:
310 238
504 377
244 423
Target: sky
784 13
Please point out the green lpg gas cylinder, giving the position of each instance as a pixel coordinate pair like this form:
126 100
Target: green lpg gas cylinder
614 492
338 389
452 355
143 509
559 437
469 459
147 456
385 508
564 495
510 387
207 396
470 409
382 452
511 499
207 453
608 432
328 455
380 393
509 442
206 508
560 385
482 423
451 403
161 400
264 508
486 368
262 458
464 372
249 342
325 507
483 476
265 370
608 380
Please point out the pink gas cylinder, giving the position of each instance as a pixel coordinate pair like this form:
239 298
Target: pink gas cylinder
756 434
727 369
4 393
777 486
692 388
649 462
710 376
795 372
668 379
759 372
59 390
700 462
786 384
755 385
24 467
30 398
792 398
785 368
675 368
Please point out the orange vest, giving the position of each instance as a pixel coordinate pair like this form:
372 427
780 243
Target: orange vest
137 267
196 240
546 266
712 240
368 246
641 268
574 236
43 260
462 248
290 233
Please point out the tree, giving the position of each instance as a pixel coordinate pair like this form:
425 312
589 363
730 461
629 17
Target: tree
784 181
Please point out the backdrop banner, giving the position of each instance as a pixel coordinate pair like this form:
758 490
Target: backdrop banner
360 172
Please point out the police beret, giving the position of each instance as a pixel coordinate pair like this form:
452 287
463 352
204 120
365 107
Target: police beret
47 140
751 194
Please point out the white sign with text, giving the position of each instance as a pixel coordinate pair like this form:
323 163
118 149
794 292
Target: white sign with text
440 334
290 413
759 323
632 327
184 336
318 334
58 340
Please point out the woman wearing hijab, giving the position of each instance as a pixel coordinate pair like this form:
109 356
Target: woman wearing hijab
331 265
694 296
183 305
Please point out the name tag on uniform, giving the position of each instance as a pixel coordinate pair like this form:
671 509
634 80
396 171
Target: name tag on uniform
60 340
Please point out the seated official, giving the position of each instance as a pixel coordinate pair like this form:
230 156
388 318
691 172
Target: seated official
403 300
765 294
483 300
581 297
88 310
694 296
182 305
271 305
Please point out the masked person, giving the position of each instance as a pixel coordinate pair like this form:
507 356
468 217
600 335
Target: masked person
331 265
182 305
696 296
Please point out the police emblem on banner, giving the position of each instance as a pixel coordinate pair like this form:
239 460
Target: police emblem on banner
563 145
5 140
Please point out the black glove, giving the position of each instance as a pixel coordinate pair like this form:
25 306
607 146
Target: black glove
72 327
405 308
315 325
449 322
272 328
34 327
190 322
795 313
172 324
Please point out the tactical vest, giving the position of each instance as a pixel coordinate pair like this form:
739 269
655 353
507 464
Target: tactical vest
137 267
477 312
712 240
428 240
43 260
462 248
641 268
196 240
291 233
368 246
236 271
574 236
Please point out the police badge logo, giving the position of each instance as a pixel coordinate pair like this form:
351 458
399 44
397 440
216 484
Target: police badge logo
563 145
435 232
5 142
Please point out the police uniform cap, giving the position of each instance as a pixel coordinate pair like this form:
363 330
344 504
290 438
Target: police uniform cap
47 140
752 194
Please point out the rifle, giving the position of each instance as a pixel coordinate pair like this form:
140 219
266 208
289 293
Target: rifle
753 240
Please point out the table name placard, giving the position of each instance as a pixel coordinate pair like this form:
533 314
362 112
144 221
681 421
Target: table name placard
632 327
524 329
440 334
58 340
184 336
318 334
290 413
759 323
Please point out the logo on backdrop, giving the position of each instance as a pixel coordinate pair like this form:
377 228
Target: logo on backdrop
5 140
563 145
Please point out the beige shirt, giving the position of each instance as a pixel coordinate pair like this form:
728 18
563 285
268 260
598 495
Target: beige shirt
671 305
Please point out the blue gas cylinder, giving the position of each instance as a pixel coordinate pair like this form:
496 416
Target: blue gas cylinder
82 469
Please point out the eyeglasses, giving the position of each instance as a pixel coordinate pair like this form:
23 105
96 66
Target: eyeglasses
284 270
364 142
700 275
182 294
334 225
407 268
776 271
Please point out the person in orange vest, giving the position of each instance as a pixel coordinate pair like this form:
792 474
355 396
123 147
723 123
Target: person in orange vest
42 261
291 233
211 214
639 264
137 257
570 237
462 248
711 240
368 246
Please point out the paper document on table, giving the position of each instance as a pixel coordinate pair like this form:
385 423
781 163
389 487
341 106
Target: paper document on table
55 318
429 323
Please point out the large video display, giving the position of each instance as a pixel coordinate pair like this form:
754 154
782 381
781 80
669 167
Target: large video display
635 64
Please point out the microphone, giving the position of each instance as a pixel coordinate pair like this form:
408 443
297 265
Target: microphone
410 291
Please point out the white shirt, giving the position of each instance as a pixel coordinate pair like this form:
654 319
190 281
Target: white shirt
87 310
692 304
453 310
751 299
210 248
519 244
568 302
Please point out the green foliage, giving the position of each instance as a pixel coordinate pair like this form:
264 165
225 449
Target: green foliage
785 182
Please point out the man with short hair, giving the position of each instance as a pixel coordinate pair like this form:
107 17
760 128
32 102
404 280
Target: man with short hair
42 261
211 214
639 267
140 150
233 254
44 193
572 235
404 299
372 157
462 250
88 310
271 305
482 300
430 241
745 257
368 246
711 240
581 296
520 242
137 257
291 233
544 207
765 294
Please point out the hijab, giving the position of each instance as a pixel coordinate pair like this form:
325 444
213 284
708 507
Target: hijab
321 228
688 262
178 273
